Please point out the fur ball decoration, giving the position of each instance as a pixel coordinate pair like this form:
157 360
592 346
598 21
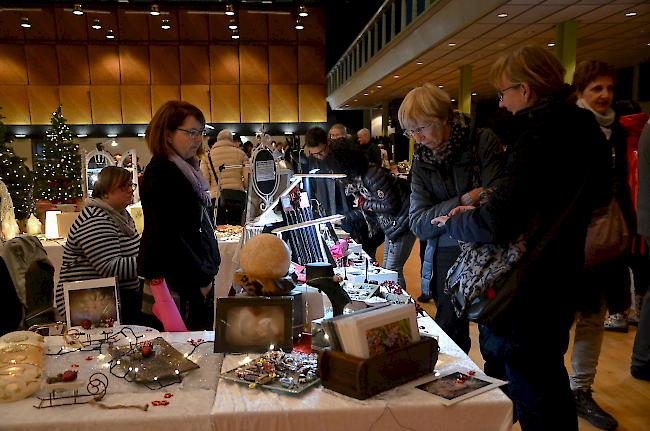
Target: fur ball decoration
265 256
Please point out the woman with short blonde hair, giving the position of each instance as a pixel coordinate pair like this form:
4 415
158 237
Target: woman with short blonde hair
423 104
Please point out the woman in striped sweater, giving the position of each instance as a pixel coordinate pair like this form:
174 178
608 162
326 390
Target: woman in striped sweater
103 242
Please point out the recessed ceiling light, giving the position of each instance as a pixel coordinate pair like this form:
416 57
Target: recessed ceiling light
630 13
141 135
451 44
365 94
97 25
235 34
299 25
20 135
24 22
550 44
302 11
502 15
81 135
112 135
155 10
288 133
77 10
347 104
356 100
419 63
453 100
165 25
475 94
232 24
110 34
379 86
395 76
441 86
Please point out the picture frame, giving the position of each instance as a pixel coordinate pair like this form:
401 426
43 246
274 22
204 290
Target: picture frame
456 386
95 300
252 324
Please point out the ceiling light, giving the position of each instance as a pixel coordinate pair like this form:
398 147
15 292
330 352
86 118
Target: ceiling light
419 63
142 135
155 10
347 104
110 34
233 24
302 11
235 34
20 135
230 10
299 25
114 143
165 25
502 15
97 25
475 94
451 44
77 10
395 76
630 13
441 86
82 135
356 100
379 86
24 22
365 94
453 100
550 44
112 135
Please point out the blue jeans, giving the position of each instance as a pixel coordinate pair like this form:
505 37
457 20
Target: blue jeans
533 363
396 253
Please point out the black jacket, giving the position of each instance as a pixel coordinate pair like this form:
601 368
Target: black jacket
557 152
390 200
172 229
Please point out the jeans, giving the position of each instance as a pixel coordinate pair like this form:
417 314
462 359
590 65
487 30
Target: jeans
532 360
456 327
396 253
587 341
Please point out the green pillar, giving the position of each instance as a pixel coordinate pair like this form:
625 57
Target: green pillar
565 47
465 89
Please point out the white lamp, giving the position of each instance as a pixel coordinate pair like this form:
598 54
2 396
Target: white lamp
51 226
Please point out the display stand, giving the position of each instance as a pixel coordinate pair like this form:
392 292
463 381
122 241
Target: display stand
92 164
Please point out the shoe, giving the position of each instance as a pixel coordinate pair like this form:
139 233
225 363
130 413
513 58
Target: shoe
635 314
589 410
424 298
640 373
616 322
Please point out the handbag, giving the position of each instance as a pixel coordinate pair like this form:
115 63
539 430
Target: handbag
200 263
607 235
483 281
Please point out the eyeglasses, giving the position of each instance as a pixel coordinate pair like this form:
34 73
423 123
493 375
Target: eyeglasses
320 154
129 186
501 93
193 133
420 130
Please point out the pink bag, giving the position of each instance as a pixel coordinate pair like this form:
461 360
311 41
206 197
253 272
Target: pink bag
164 307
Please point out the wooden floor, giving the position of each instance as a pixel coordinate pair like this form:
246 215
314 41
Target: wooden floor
615 390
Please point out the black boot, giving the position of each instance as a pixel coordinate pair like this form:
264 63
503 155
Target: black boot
589 410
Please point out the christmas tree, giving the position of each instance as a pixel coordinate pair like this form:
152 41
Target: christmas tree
18 179
58 168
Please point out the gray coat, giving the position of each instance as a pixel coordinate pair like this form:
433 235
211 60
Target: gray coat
437 190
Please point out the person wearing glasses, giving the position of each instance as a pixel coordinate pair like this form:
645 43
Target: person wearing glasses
453 163
556 173
103 242
178 241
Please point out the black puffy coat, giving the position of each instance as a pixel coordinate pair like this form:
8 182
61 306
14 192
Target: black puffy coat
389 200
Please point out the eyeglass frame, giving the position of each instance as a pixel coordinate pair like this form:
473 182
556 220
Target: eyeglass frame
125 187
193 133
501 93
411 133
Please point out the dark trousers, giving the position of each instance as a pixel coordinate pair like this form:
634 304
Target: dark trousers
641 351
532 361
131 306
456 327
196 310
230 213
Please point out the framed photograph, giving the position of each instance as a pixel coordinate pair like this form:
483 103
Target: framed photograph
247 324
93 302
457 386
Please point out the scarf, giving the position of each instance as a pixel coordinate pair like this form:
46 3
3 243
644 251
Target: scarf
190 169
122 219
605 121
448 151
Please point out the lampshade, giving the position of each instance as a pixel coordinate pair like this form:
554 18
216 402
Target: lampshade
51 226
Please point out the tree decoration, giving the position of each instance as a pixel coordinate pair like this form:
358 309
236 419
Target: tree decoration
58 167
16 176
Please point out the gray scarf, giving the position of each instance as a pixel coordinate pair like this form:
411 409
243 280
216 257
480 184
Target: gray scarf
122 219
605 121
190 168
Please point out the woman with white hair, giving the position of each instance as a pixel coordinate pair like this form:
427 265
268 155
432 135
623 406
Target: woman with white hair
227 182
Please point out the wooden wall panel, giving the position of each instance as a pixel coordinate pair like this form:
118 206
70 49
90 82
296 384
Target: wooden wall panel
311 103
156 33
283 103
42 66
224 103
14 103
164 65
106 104
109 22
253 64
199 96
281 27
43 100
195 64
163 93
76 103
133 26
104 64
311 64
192 26
283 67
219 31
13 67
73 64
42 25
224 64
253 26
136 104
134 64
71 27
10 28
254 103
314 31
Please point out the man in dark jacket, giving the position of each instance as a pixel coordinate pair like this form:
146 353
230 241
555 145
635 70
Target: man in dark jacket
369 148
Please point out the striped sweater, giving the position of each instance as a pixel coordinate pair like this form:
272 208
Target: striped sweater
96 247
